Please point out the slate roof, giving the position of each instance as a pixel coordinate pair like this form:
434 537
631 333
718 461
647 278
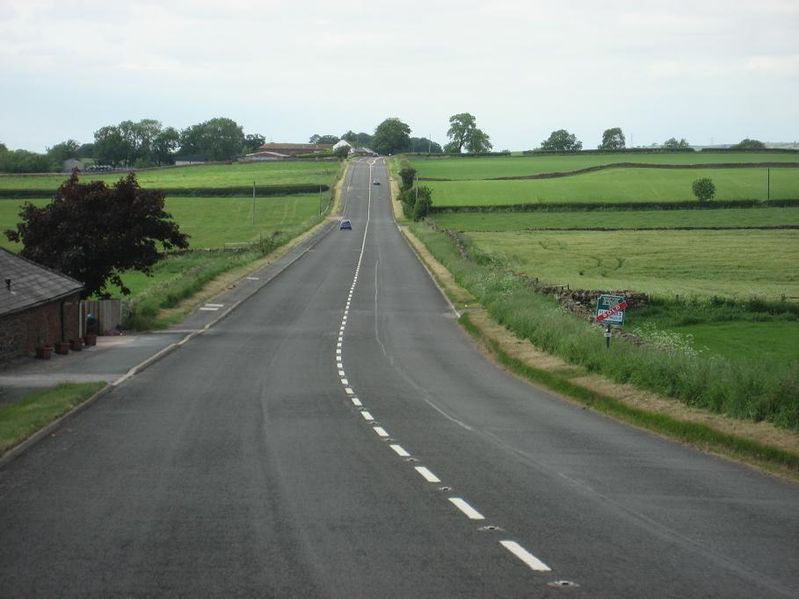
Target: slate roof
31 284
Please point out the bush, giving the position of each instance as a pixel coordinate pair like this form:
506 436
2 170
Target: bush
407 174
704 189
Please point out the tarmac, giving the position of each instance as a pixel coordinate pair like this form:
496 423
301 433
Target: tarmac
118 357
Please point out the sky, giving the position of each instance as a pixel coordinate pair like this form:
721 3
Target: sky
709 71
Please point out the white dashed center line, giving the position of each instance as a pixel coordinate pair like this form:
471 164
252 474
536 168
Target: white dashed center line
400 451
367 416
428 476
381 432
468 510
528 558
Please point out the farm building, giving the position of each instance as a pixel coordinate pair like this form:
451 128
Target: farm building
38 306
294 149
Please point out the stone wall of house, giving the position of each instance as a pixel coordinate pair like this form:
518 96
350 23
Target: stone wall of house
22 332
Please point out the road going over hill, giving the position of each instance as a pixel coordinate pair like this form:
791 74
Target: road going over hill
339 436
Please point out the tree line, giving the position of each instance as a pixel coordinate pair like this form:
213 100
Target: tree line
613 139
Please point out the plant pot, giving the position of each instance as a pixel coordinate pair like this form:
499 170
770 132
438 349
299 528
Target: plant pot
75 344
90 339
44 352
62 347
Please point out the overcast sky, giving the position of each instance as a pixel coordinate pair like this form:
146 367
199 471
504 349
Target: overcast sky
707 70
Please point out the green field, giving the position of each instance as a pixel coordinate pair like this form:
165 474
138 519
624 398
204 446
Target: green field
212 175
737 264
618 185
520 221
521 166
212 222
775 341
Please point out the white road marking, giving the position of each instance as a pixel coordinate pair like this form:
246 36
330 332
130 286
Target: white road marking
381 432
207 309
345 382
468 510
528 558
341 373
338 351
338 344
253 278
367 416
349 391
356 402
398 449
215 305
428 476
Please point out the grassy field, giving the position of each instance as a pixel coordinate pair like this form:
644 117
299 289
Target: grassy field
519 221
520 166
212 222
725 263
618 185
213 175
739 340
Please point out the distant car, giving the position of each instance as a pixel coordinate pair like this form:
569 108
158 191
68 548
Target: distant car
375 182
345 224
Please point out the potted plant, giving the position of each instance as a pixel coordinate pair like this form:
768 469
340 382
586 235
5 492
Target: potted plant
43 349
62 347
90 339
75 344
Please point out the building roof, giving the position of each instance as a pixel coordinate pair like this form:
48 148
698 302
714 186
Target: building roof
26 284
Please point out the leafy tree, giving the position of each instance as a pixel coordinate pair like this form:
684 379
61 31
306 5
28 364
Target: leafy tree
704 189
463 133
424 145
612 139
109 146
361 140
562 141
673 144
342 151
22 161
323 139
164 146
416 202
253 141
407 174
63 151
216 139
86 151
391 136
93 233
749 144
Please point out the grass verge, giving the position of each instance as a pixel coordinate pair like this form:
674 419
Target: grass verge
21 419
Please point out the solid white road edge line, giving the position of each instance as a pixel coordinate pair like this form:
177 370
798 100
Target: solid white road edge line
468 510
528 558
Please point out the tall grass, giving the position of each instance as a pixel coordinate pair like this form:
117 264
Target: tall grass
751 390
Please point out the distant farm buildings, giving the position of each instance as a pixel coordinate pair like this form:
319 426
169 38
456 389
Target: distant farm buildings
281 151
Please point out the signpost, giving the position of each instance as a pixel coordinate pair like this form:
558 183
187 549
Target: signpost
610 311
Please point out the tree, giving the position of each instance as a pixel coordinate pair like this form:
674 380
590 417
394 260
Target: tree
63 151
407 174
391 136
425 146
323 139
463 133
562 141
164 146
109 146
217 139
612 139
342 151
704 189
93 233
749 144
86 151
253 141
673 144
361 140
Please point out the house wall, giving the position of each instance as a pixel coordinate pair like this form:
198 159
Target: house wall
22 332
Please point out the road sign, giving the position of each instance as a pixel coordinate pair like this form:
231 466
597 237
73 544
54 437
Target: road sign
610 309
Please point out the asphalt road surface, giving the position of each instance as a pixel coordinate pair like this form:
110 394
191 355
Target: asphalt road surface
338 436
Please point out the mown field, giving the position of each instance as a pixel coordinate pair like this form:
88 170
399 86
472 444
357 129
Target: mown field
520 166
617 185
212 175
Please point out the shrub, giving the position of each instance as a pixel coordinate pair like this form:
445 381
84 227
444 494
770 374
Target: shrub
704 189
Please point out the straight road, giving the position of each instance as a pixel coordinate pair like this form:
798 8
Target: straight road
338 436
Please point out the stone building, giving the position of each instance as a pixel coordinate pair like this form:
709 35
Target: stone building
38 306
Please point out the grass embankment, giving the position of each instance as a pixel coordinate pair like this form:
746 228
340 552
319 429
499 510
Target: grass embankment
749 390
21 419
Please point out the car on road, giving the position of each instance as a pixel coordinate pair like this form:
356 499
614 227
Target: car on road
375 182
345 224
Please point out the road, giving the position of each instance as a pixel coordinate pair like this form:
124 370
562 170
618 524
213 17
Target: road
338 435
